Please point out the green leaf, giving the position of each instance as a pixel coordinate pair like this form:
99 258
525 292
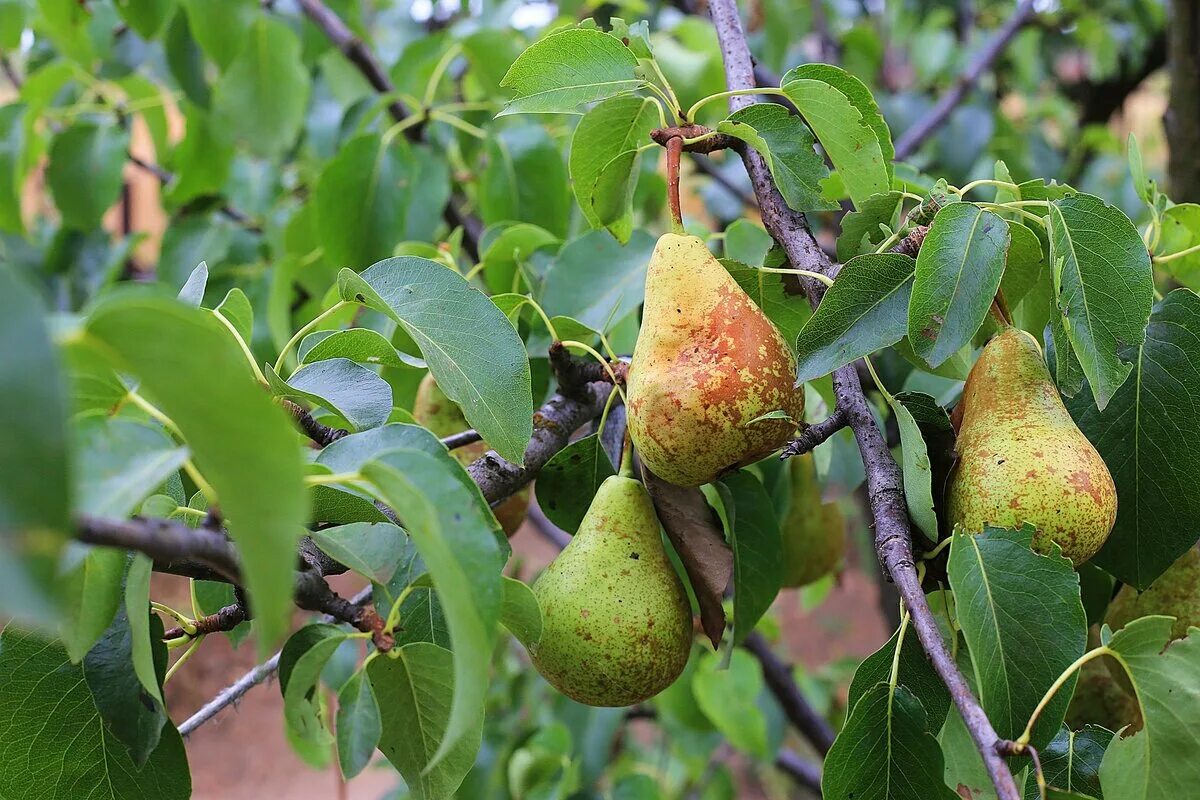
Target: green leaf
14 16
192 292
241 441
1146 437
91 592
1102 285
608 130
414 690
462 556
860 228
568 482
567 69
858 94
145 16
359 725
729 698
596 280
885 751
12 157
1020 641
1071 762
374 194
147 650
220 26
84 172
850 139
918 468
958 272
508 258
370 549
53 740
786 144
1144 187
361 345
777 295
35 503
472 350
524 178
121 462
202 161
1157 761
747 243
865 310
235 308
261 98
1024 268
756 542
1180 231
520 613
915 673
350 390
308 651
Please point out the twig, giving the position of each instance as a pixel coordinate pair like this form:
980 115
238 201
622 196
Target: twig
322 434
164 541
814 435
804 773
912 138
10 72
226 619
884 481
461 439
778 677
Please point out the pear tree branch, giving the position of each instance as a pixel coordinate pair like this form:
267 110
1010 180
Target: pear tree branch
893 541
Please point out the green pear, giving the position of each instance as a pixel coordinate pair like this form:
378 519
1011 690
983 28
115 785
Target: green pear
616 623
707 365
1175 593
442 416
1021 458
813 532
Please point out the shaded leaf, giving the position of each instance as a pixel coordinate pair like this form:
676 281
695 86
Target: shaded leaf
358 724
567 484
786 144
350 390
756 542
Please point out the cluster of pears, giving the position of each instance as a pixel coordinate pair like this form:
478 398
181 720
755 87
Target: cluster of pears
1022 459
707 367
616 622
442 416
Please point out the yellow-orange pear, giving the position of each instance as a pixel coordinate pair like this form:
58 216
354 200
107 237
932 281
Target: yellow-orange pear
442 416
707 364
814 533
616 623
1022 459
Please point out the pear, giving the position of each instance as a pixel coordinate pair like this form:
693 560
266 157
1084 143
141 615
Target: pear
616 623
813 532
708 363
1175 593
1021 458
442 416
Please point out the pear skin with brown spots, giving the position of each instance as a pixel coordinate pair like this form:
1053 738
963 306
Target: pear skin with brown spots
813 533
442 416
707 364
1022 459
616 623
1175 593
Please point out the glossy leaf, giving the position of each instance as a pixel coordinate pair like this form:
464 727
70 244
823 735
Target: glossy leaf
361 345
611 128
596 280
519 612
567 69
786 144
915 673
350 390
1071 762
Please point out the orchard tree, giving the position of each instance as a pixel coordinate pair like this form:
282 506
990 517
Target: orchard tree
418 260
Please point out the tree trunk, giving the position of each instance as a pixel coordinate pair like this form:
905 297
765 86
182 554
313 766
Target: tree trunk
1183 112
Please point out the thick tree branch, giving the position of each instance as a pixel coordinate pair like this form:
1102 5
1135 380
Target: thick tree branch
884 484
164 541
804 773
912 138
1183 108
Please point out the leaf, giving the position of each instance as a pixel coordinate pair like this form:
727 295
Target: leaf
565 70
609 129
120 462
1024 268
53 740
1020 641
778 296
361 345
359 725
568 482
865 310
235 308
756 541
524 179
472 350
220 26
202 161
35 493
1157 761
91 592
915 673
509 257
786 144
612 194
748 244
414 691
1071 762
147 652
350 390
308 651
520 613
729 698
1180 231
192 293
885 751
1102 285
260 99
860 228
849 139
597 280
12 158
1147 437
858 94
241 441
696 535
84 172
927 442
374 194
958 272
370 549
145 16
463 559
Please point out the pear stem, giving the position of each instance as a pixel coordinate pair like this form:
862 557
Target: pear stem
1027 734
674 151
1001 311
627 456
